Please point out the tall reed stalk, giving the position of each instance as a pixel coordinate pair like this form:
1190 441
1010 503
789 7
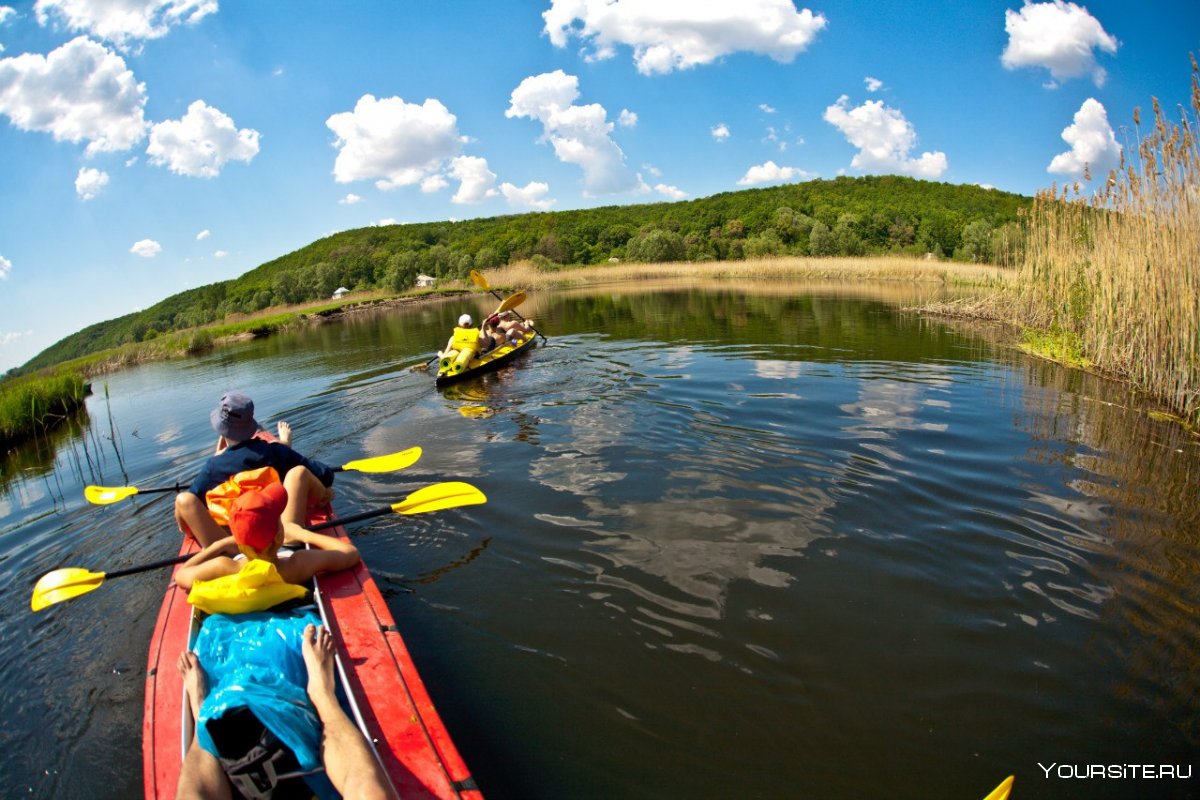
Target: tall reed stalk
1118 274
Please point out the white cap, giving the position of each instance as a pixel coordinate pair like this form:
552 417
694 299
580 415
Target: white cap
464 321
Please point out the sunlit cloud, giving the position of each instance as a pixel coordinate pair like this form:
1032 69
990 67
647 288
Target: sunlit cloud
532 196
580 135
350 200
884 139
676 36
477 182
872 84
1058 36
89 182
770 172
146 248
1093 146
200 143
627 118
80 92
202 235
124 20
393 142
673 192
5 268
720 131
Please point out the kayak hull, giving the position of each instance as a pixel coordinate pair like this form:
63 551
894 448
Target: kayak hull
389 699
488 362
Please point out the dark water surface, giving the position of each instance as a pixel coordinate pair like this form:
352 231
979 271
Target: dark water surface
785 543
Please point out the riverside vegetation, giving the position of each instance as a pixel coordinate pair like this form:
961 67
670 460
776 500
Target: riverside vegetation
1111 282
1107 282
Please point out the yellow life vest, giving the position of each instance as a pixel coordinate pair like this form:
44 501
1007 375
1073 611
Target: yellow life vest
257 586
220 498
466 337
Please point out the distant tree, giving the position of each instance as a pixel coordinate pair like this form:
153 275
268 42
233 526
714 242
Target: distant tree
487 258
976 242
821 241
654 246
766 243
847 240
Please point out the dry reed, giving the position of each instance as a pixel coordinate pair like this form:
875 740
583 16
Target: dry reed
1117 272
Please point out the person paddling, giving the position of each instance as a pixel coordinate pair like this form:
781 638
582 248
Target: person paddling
240 453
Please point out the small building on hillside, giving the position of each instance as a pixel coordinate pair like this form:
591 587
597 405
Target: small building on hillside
340 292
425 281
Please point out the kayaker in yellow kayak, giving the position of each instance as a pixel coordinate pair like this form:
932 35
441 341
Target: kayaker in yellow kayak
238 451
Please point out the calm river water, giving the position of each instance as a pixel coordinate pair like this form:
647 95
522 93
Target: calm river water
739 543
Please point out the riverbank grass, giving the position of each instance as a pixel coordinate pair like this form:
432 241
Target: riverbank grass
38 402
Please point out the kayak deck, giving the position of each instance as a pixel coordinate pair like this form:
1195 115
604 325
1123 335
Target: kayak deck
489 361
387 694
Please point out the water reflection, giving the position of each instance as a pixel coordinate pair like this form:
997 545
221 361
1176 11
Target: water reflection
739 541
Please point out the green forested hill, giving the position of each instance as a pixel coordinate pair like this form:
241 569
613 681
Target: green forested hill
844 216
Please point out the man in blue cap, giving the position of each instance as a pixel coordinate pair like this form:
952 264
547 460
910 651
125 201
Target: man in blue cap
240 451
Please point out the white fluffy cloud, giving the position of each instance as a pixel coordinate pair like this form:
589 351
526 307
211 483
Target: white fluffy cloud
580 135
120 21
350 200
627 118
720 131
531 197
872 84
1060 36
146 248
770 172
394 142
89 182
667 36
5 267
673 192
477 182
81 91
202 235
884 139
220 254
201 142
7 13
1093 145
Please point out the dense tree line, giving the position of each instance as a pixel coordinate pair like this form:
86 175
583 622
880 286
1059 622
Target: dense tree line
840 217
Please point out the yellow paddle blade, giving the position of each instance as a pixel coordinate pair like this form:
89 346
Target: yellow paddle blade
441 495
103 495
475 411
63 584
480 281
1001 791
388 463
510 302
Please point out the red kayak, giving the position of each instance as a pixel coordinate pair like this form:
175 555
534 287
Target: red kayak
388 698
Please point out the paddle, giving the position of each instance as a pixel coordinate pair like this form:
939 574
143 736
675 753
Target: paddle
482 283
106 495
71 582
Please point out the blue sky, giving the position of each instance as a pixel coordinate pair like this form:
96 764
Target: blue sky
150 146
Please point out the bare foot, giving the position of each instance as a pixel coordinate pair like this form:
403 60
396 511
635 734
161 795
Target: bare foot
318 650
285 433
195 680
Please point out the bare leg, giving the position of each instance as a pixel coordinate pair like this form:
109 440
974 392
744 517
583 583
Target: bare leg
191 515
285 433
348 760
301 485
201 775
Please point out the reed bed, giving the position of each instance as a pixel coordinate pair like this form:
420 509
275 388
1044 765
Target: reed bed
38 402
881 268
1114 277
